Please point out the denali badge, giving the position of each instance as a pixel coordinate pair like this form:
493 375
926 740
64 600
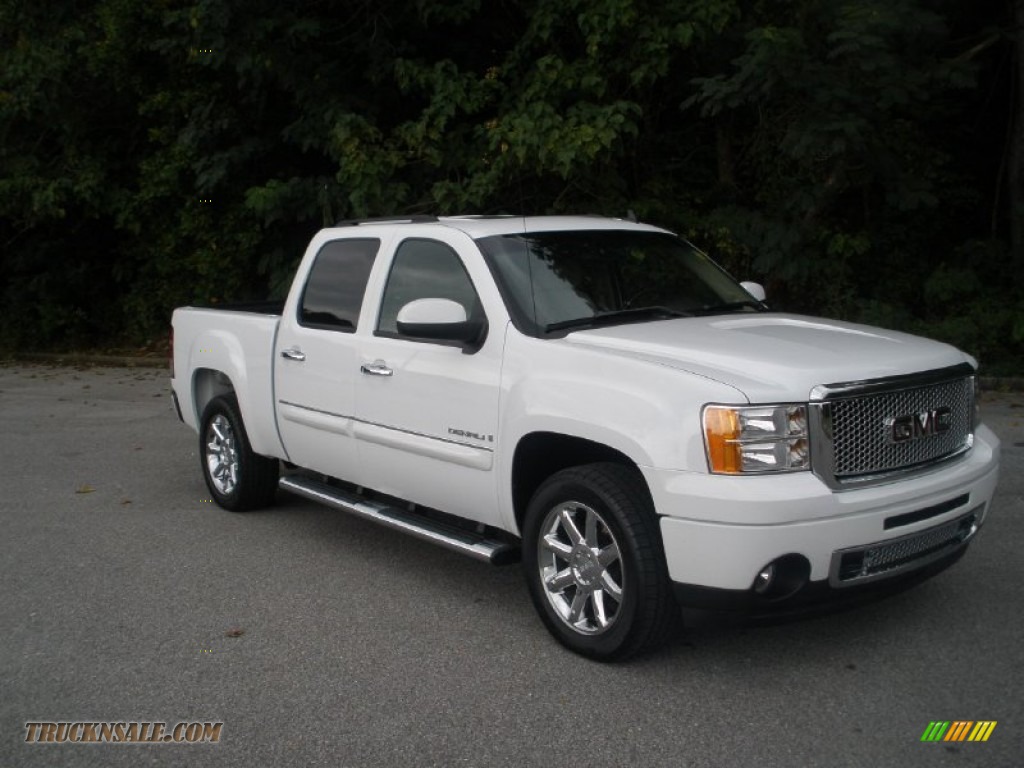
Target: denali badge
470 435
914 425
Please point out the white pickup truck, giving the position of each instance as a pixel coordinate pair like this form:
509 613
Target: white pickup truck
599 399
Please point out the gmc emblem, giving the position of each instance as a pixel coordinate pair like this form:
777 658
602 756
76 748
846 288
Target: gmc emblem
912 426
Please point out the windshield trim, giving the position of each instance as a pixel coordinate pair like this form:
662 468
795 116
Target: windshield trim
615 317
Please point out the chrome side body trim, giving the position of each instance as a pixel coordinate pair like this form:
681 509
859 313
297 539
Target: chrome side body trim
352 420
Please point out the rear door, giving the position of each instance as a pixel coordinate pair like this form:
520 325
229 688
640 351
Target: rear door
317 358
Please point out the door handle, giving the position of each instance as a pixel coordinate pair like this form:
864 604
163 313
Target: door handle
376 368
293 354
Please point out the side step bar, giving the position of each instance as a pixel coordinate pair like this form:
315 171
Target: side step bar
477 546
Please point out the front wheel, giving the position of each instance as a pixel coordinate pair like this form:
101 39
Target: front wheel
594 562
238 478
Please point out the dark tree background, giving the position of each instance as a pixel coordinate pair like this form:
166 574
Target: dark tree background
863 159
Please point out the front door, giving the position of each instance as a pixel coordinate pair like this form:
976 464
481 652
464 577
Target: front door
428 411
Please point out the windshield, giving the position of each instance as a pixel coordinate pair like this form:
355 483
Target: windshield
556 281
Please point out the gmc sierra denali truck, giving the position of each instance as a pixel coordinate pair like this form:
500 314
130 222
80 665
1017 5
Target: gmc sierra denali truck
598 399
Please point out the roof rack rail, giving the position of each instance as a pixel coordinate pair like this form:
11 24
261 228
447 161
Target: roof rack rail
412 218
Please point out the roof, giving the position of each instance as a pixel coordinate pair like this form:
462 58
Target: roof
485 226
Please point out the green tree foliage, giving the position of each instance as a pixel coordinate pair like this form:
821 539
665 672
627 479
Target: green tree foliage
833 142
850 154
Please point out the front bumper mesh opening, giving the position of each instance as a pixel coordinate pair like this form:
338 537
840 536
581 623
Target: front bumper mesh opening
889 558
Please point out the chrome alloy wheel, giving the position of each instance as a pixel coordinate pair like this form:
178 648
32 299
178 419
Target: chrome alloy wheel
580 568
222 455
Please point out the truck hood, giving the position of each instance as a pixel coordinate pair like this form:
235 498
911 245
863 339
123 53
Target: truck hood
772 357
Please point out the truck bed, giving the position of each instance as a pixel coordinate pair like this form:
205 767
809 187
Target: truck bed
230 347
270 307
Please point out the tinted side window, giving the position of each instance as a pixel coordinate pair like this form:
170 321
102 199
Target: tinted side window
425 269
336 284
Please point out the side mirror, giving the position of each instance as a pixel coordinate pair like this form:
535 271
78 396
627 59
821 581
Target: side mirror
440 320
754 289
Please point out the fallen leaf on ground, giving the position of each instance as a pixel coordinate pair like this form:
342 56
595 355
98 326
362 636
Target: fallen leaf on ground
84 489
234 632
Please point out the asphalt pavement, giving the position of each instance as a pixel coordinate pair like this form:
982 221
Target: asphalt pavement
321 639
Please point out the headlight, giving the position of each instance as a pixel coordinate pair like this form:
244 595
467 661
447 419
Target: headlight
760 438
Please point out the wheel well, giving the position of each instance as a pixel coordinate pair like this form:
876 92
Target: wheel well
206 385
541 454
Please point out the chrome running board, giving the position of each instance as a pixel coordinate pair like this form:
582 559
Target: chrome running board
477 546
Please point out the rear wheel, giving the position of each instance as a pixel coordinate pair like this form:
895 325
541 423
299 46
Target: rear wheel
238 479
594 562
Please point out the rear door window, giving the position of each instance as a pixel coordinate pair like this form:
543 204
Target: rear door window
336 284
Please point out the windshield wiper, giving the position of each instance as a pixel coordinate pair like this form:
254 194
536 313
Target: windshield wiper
732 306
616 316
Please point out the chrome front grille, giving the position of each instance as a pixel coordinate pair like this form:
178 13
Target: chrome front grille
861 428
855 425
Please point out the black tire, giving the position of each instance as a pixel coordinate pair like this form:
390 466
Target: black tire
645 613
253 484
